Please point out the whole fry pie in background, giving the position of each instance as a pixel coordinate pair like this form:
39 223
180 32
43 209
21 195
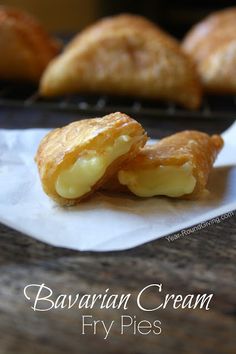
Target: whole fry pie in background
77 159
212 45
124 55
176 166
25 47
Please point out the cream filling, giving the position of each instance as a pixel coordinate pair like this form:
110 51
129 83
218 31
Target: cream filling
171 181
78 179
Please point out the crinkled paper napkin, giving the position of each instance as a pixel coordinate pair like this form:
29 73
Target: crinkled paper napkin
104 222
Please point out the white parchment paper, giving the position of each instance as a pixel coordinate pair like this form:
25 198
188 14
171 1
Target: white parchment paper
105 222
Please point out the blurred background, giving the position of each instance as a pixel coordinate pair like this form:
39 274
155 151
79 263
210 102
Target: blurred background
69 16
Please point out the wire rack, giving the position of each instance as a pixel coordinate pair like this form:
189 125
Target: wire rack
223 107
215 114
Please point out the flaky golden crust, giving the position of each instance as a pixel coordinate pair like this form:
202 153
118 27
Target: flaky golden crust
125 55
63 146
26 48
195 147
212 44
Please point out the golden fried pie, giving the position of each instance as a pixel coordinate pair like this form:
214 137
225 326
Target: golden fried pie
176 166
77 159
25 47
124 55
212 45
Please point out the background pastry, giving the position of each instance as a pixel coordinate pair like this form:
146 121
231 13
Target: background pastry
212 44
124 55
77 159
27 48
176 166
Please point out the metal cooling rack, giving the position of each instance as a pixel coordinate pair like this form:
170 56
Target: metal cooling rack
22 96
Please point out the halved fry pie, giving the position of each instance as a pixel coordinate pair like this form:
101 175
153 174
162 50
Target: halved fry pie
77 159
124 55
176 166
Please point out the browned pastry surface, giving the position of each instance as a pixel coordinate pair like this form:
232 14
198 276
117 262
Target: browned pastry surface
63 146
195 147
212 44
125 55
26 48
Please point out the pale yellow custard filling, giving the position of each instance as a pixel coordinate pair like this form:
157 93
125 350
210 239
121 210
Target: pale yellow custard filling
78 179
171 181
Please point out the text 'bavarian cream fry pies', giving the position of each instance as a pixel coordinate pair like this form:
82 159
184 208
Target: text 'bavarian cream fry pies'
176 166
77 159
124 55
